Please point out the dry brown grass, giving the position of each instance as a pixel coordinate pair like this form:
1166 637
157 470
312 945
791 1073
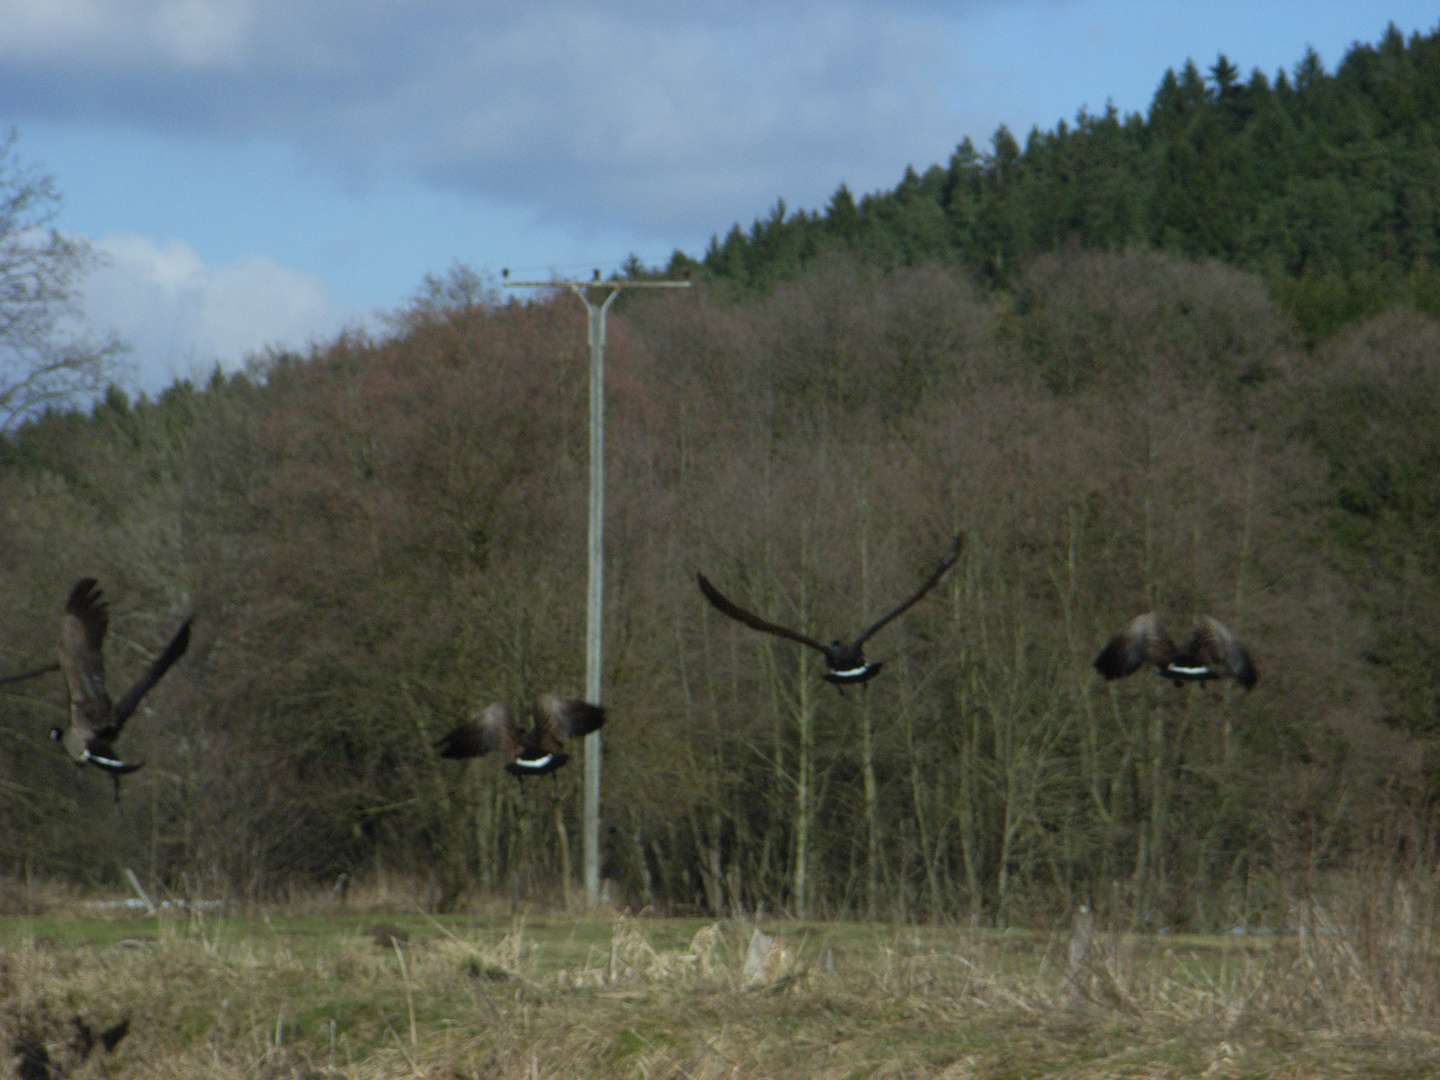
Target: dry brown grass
1355 991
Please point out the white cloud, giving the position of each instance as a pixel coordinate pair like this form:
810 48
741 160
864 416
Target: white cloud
203 33
626 111
113 34
657 123
658 119
182 317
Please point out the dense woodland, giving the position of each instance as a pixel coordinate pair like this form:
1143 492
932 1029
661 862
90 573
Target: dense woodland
1327 184
383 535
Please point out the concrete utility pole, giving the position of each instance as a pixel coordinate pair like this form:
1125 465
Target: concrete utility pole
594 606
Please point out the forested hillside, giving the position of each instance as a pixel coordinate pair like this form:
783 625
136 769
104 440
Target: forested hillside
1327 184
384 535
1186 362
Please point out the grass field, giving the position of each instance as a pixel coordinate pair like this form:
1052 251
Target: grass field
368 992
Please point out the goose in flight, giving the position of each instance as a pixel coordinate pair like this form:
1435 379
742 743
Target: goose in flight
1213 652
844 660
95 721
535 752
36 1062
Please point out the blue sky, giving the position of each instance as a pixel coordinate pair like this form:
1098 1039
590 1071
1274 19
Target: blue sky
266 171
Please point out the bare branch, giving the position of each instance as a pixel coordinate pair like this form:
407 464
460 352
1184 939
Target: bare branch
43 359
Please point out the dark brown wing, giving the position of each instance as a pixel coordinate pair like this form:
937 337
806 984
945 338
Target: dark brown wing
43 669
82 638
930 583
1143 640
1220 650
153 674
111 1036
35 1061
751 620
493 728
558 719
84 1040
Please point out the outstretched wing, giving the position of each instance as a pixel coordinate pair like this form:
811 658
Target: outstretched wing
1220 650
35 1060
84 1041
749 619
43 669
1143 640
111 1036
558 719
161 664
950 560
493 728
82 637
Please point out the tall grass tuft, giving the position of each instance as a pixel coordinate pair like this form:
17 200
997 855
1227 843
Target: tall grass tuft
1351 987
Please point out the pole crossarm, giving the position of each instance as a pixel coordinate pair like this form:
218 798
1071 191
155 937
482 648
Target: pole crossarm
594 606
594 284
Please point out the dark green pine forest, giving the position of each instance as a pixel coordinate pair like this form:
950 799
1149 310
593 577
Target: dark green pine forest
1326 185
1187 361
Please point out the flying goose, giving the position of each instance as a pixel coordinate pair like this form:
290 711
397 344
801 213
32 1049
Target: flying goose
527 753
86 1037
95 721
36 1063
844 660
1212 652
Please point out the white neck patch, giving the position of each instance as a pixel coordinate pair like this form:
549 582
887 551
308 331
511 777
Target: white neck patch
1203 669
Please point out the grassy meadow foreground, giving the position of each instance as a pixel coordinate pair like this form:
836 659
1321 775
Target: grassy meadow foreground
362 991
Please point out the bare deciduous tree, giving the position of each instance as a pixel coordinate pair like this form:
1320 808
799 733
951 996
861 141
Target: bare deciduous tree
383 535
44 358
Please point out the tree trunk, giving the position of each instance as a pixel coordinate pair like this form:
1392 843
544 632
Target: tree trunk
867 738
562 837
804 768
872 810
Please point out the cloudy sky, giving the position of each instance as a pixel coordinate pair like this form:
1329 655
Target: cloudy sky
266 171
